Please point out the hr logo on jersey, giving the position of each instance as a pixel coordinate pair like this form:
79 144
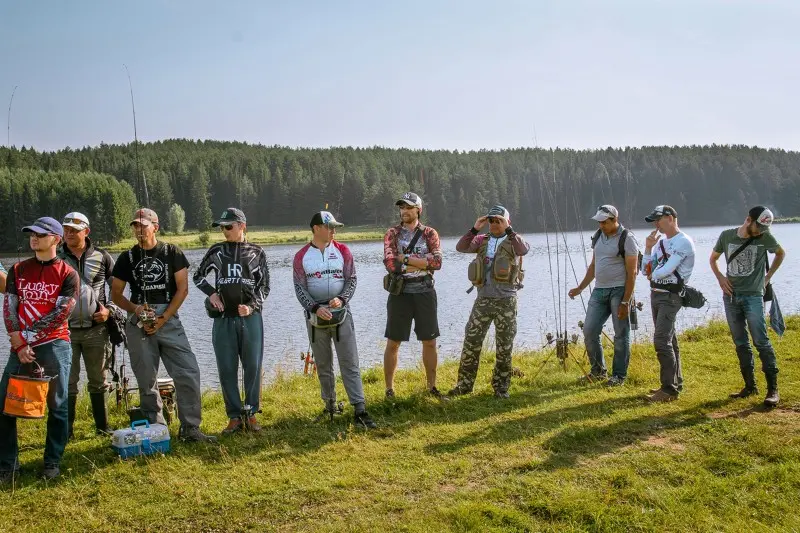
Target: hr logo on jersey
234 270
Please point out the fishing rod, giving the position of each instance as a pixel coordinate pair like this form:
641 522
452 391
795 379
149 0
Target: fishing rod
146 316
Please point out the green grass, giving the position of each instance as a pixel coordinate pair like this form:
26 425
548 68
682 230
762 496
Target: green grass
557 456
278 235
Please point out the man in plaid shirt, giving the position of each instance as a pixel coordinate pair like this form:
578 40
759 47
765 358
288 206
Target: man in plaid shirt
417 301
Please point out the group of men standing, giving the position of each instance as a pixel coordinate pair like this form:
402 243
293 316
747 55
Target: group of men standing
668 262
56 311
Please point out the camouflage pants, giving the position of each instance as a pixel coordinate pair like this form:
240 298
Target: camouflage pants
503 312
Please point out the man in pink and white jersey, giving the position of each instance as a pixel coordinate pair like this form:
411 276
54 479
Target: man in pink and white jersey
324 283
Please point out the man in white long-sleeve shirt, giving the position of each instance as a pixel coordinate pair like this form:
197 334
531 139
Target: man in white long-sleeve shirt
669 264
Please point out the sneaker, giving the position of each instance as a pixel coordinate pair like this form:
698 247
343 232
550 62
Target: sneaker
661 396
615 381
50 472
390 394
363 420
433 391
593 378
193 434
234 425
502 395
253 425
772 398
744 393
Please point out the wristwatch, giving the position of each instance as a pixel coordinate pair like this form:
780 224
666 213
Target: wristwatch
405 260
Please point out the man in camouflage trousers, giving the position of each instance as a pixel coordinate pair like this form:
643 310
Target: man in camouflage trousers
497 272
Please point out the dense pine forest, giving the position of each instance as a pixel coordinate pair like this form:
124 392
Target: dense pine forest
278 186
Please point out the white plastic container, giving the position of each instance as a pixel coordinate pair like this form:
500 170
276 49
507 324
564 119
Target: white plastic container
142 438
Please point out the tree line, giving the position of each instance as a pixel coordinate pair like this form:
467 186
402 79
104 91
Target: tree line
280 186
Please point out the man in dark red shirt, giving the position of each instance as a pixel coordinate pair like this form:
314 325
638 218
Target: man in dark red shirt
40 295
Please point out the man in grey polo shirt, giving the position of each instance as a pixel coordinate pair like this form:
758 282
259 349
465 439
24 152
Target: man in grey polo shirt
613 267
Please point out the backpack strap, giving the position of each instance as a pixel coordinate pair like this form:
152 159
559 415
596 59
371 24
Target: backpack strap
595 237
623 236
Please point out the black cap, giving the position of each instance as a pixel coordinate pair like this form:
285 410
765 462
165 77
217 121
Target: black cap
325 218
660 211
229 216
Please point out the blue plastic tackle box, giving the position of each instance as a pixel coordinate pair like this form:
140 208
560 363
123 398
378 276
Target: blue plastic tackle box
142 438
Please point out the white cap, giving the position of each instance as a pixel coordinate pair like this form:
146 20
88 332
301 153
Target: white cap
604 212
75 220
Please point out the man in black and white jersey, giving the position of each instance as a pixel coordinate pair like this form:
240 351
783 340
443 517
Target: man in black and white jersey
669 254
235 302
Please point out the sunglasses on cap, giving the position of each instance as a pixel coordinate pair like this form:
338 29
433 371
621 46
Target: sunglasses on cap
605 210
76 221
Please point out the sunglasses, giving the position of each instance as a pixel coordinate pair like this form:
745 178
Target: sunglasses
75 221
604 209
492 220
39 235
226 227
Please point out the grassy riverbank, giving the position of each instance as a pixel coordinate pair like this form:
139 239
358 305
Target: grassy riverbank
557 456
278 235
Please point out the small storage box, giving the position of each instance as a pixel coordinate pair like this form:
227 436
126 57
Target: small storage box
142 438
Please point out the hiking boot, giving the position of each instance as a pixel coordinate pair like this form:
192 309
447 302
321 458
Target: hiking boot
390 394
615 381
7 476
234 425
502 395
457 391
433 391
744 393
363 420
193 434
661 396
772 398
50 472
253 424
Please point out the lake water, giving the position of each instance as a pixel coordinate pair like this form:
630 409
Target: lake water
285 333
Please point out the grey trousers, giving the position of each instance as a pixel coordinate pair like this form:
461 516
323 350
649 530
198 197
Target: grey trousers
170 345
92 344
665 307
347 352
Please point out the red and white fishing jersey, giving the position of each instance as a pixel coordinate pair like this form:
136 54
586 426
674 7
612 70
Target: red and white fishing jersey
321 275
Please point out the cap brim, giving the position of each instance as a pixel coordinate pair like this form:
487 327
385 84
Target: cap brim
334 224
407 202
78 227
141 221
37 229
652 218
601 217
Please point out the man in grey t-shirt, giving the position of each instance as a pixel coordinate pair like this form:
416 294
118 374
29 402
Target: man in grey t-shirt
615 275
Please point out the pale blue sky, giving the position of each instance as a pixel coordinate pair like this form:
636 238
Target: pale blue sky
420 74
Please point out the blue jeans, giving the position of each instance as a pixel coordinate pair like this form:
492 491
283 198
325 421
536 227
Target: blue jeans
747 313
602 304
56 359
239 339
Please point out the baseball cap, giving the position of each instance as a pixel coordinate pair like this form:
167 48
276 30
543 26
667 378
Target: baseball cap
660 211
762 216
45 225
230 216
145 217
604 212
75 220
325 218
499 211
411 199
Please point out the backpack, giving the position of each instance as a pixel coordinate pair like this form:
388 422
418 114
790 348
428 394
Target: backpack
623 236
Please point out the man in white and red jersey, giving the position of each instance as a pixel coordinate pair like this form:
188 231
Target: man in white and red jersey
324 283
40 295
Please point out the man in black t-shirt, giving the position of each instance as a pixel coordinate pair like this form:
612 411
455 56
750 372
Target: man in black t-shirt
158 274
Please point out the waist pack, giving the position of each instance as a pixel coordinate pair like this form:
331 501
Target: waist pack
692 297
339 316
393 283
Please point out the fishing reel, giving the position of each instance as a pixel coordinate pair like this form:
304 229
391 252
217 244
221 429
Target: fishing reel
147 317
